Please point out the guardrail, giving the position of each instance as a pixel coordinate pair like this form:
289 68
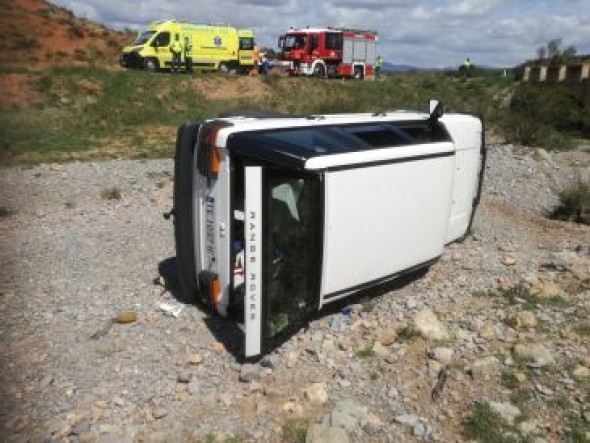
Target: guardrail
557 73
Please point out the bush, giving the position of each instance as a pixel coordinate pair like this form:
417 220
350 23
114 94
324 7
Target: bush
546 115
574 204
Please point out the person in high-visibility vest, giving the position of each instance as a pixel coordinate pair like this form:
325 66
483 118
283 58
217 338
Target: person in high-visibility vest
378 65
176 49
256 57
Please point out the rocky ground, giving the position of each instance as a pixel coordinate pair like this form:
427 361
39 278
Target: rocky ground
495 336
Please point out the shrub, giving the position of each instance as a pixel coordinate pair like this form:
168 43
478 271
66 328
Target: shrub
76 31
487 426
545 115
574 204
111 194
295 431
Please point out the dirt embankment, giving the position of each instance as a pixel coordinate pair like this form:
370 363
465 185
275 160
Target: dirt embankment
37 33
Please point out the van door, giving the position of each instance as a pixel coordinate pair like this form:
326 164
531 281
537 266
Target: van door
282 260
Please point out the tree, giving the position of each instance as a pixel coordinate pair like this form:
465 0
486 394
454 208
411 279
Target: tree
553 48
541 52
570 51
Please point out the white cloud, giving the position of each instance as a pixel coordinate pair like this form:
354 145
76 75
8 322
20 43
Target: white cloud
426 33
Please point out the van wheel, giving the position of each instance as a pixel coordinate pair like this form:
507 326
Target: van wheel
151 65
358 72
319 71
224 68
183 210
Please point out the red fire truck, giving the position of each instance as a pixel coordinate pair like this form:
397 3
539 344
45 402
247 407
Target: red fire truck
329 52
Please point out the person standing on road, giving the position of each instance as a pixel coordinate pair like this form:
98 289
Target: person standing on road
297 55
256 58
378 65
176 49
188 55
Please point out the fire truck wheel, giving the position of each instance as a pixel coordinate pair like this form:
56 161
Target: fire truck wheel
151 65
358 72
319 71
183 210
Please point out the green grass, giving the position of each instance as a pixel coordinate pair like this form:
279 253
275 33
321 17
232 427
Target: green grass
365 352
68 124
294 431
521 294
487 426
119 122
509 380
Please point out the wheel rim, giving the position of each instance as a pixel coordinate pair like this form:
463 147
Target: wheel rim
223 68
150 65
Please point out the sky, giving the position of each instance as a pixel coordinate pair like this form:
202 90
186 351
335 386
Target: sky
427 33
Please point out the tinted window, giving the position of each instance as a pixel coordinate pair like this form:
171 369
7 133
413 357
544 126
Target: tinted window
143 37
246 43
162 39
333 40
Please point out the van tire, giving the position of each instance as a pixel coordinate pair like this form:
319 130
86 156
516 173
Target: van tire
224 68
183 210
151 65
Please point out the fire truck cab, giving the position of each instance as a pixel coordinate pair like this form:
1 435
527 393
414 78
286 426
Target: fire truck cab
329 52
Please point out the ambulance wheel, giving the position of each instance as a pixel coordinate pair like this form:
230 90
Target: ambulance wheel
183 211
319 71
224 68
358 72
151 65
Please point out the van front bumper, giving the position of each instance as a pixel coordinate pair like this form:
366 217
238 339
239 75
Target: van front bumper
131 60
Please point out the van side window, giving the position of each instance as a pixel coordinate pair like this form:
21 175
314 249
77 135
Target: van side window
162 39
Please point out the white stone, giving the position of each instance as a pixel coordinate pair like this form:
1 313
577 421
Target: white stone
429 326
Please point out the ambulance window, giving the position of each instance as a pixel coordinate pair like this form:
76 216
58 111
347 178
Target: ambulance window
246 43
162 39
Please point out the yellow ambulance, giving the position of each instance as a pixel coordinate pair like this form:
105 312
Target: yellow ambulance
210 47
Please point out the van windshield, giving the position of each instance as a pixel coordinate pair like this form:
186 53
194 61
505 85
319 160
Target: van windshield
143 38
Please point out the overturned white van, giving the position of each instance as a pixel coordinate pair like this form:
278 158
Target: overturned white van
275 217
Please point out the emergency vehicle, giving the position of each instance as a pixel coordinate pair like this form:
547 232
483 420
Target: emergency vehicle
213 47
329 52
278 217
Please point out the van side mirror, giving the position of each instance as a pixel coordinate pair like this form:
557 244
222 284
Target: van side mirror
436 112
436 107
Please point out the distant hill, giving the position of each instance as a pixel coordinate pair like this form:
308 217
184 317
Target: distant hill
390 67
38 33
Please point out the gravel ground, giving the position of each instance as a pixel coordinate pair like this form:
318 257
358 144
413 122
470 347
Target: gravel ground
82 242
